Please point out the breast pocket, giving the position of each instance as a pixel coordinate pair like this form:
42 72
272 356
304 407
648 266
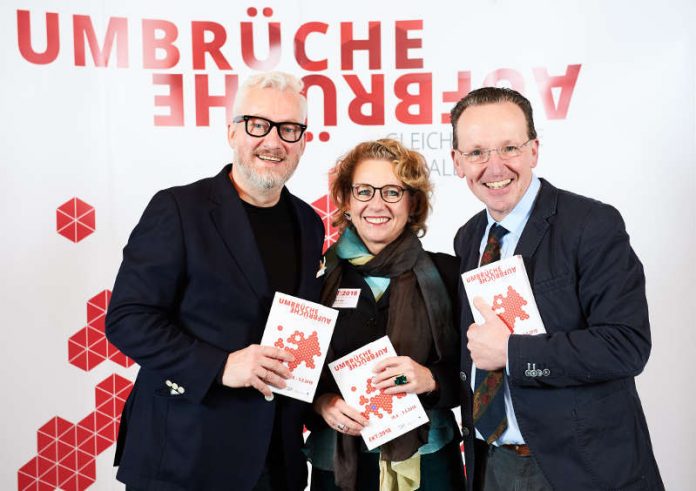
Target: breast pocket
558 303
548 285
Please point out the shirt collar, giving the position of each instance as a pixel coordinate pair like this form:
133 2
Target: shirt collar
515 221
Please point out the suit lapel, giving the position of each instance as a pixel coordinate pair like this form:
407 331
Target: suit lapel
233 225
467 249
470 257
538 223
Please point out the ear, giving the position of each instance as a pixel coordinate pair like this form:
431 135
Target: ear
458 166
302 143
230 133
535 153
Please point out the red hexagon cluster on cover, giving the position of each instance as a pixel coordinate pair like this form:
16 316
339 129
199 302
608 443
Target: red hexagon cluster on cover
88 347
75 219
67 451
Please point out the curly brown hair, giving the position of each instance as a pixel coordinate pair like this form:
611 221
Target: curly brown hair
409 167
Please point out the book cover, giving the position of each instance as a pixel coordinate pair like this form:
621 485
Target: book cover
304 329
505 286
389 415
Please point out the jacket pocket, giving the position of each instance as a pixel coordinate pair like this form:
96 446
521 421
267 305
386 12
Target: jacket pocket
553 283
612 442
181 438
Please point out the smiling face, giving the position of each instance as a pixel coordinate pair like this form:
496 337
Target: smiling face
378 223
499 184
263 165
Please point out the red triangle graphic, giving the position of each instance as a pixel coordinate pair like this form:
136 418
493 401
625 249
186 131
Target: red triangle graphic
81 207
62 220
68 207
89 219
31 468
81 231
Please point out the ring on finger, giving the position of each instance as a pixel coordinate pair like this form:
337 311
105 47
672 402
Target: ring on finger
340 427
400 380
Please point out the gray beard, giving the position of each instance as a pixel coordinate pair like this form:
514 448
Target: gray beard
262 182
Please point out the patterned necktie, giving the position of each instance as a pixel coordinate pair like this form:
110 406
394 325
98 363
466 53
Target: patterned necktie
489 400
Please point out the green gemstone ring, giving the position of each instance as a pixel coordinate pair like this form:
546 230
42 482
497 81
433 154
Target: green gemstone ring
400 380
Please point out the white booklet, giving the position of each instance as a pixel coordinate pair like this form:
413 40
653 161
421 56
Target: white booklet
304 329
505 286
389 416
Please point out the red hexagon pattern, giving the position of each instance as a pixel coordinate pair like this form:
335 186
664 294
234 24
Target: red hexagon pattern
88 347
325 208
75 219
67 451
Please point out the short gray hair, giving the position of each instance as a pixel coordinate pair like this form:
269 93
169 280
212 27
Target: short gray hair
271 80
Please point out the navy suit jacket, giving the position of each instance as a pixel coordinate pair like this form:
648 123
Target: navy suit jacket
573 388
191 289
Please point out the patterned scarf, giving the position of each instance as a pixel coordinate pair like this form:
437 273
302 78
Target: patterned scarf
352 249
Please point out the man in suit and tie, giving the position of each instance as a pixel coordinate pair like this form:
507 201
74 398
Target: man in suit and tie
191 301
558 410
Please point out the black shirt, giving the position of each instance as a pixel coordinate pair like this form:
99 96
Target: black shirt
276 233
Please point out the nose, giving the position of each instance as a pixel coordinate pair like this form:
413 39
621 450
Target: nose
495 164
377 202
273 139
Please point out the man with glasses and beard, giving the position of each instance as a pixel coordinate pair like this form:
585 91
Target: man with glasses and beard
557 410
190 304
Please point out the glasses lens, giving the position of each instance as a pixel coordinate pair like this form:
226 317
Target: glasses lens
509 152
363 192
476 156
258 126
392 194
290 132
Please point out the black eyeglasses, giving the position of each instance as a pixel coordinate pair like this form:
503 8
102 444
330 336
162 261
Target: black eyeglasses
390 193
259 127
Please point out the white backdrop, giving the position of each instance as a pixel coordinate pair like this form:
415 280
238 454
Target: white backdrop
627 137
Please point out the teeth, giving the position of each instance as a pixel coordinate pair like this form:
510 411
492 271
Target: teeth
498 184
271 158
377 220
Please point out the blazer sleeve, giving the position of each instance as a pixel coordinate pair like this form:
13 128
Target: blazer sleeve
446 372
142 317
601 303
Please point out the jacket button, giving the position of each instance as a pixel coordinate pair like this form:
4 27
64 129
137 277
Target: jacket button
465 431
462 376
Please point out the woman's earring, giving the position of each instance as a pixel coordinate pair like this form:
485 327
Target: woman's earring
346 215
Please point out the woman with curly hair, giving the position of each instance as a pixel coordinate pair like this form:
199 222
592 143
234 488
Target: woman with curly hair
382 192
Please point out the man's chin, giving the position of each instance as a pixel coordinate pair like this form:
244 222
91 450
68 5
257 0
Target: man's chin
265 180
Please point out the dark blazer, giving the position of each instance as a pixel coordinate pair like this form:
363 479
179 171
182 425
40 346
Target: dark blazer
191 289
573 388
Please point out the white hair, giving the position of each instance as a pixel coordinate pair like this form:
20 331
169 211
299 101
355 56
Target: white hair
271 80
